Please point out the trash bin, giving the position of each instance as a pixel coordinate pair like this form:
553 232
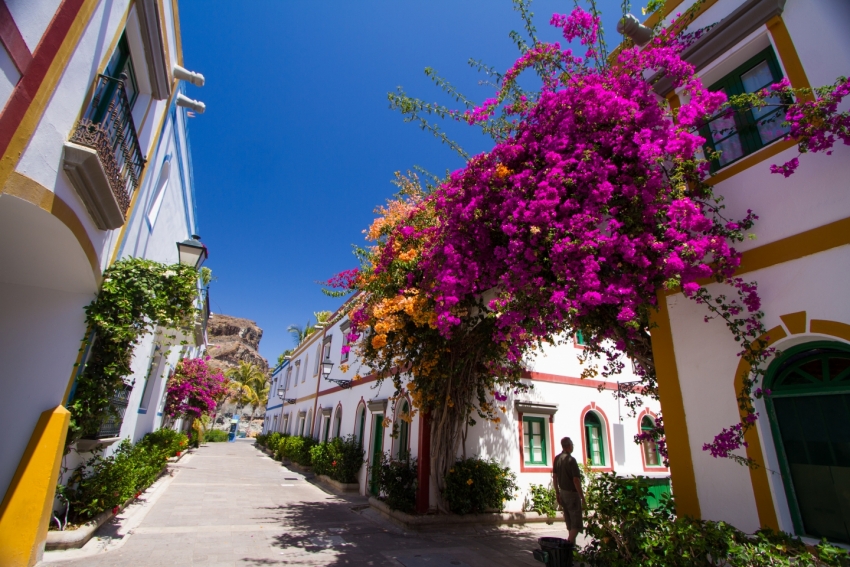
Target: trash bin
554 552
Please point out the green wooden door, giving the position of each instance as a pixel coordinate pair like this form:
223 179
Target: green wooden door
809 410
377 453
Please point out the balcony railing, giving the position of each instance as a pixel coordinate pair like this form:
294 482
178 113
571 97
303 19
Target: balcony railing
107 128
111 426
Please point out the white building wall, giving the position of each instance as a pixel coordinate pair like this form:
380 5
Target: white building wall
32 18
816 195
500 441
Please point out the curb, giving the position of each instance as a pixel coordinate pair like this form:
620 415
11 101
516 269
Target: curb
336 486
437 521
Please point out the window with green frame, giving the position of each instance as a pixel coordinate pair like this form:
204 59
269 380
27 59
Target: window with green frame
594 440
579 338
650 446
809 413
534 440
742 133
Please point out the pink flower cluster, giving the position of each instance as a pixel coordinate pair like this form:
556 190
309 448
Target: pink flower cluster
815 122
194 389
575 214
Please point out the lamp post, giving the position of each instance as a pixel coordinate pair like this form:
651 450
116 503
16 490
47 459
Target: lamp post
192 252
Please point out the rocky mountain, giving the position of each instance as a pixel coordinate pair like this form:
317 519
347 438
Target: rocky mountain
233 339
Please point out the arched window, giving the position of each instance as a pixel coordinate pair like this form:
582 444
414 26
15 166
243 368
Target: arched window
650 447
594 439
309 428
159 192
809 413
361 425
403 451
337 422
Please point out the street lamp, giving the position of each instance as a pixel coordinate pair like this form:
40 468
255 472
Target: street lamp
281 392
192 252
327 366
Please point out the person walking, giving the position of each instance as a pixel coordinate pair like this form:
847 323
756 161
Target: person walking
566 477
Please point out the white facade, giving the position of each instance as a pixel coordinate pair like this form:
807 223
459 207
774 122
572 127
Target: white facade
66 214
557 397
800 261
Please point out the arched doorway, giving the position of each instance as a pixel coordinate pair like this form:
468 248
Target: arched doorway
809 410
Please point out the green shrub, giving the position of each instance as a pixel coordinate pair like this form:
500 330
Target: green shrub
103 483
397 483
273 442
543 500
321 458
172 441
339 458
261 438
296 449
623 530
476 485
216 436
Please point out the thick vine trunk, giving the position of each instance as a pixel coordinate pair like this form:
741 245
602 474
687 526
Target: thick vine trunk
450 419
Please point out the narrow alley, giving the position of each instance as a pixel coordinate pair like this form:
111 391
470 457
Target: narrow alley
228 504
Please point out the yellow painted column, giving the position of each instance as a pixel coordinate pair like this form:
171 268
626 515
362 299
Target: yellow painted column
28 503
673 409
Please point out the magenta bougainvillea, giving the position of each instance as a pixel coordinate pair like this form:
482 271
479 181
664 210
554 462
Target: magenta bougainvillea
592 202
194 389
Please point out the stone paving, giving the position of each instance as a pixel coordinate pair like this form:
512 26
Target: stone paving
228 504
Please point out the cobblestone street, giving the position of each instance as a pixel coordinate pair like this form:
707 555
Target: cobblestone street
228 504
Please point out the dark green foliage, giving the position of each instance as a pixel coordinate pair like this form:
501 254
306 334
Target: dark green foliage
137 295
624 531
543 500
170 440
215 436
397 483
476 485
295 448
339 458
103 483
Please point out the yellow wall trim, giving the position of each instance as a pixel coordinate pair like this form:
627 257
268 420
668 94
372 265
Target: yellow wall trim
833 328
28 503
792 247
795 322
26 128
753 159
675 420
29 190
758 476
788 54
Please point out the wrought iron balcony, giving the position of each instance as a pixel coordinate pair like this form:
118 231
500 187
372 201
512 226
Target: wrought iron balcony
111 426
103 157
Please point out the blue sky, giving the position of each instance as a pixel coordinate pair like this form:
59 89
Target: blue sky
298 144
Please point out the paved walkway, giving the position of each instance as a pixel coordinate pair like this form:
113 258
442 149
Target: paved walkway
228 504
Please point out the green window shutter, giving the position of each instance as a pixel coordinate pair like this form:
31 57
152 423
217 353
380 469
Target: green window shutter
594 439
746 131
650 448
534 440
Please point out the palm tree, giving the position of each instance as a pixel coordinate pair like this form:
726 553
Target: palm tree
248 386
300 333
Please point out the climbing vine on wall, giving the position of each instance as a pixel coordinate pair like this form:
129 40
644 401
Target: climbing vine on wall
137 296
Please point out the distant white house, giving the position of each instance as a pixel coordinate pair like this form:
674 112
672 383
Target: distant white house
559 404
